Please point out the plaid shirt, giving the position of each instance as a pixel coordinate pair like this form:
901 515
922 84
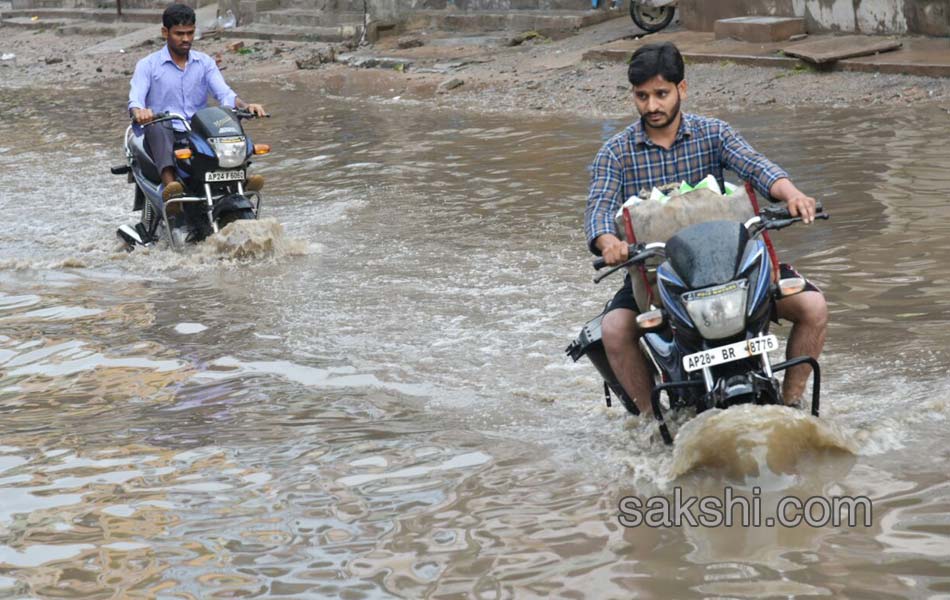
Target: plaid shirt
630 162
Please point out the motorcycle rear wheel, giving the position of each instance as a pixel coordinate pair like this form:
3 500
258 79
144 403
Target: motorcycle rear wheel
651 19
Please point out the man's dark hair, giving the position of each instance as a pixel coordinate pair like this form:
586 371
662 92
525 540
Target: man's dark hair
661 58
178 14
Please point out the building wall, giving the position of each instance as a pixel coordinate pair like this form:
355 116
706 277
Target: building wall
928 17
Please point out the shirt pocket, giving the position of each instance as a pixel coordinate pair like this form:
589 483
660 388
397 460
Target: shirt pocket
196 84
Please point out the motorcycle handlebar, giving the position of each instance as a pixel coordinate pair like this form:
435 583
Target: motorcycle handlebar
778 217
246 114
162 117
170 116
770 217
783 223
638 253
632 250
774 213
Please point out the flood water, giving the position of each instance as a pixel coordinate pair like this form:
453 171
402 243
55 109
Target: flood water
378 405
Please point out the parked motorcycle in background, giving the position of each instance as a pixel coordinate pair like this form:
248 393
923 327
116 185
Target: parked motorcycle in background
652 15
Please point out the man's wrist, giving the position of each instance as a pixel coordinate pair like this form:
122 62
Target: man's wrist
605 239
782 189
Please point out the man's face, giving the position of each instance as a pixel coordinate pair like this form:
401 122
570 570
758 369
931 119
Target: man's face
658 101
179 38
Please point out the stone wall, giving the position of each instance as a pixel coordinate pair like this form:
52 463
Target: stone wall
927 17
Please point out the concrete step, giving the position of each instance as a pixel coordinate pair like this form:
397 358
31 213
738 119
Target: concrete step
340 5
133 15
266 31
40 4
515 20
28 23
160 5
761 30
502 5
296 17
918 55
450 5
323 5
106 4
75 26
127 41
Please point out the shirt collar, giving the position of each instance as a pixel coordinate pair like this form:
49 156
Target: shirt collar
640 137
166 56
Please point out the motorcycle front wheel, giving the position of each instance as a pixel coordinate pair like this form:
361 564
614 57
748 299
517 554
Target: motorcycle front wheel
651 19
235 215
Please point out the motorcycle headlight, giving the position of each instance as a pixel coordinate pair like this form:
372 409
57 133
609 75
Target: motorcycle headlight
718 312
231 151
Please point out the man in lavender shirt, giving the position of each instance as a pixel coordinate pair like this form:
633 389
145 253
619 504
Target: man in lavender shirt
176 79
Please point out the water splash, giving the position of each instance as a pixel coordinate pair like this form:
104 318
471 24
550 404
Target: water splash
250 239
238 243
747 441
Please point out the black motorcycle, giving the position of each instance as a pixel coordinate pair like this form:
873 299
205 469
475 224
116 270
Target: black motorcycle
211 160
708 344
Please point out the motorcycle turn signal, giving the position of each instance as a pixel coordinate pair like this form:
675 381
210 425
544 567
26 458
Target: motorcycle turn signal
790 286
650 319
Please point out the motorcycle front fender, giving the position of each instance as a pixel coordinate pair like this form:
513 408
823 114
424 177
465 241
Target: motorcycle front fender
655 3
231 203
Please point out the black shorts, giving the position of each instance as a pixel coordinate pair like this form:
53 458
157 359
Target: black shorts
786 271
624 296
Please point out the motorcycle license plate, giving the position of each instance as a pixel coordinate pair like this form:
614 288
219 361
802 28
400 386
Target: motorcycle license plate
730 353
224 176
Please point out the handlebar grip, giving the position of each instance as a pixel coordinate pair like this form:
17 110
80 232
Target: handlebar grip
775 213
246 114
155 117
632 250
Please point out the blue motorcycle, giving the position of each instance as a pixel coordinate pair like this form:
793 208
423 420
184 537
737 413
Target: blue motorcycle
708 341
212 163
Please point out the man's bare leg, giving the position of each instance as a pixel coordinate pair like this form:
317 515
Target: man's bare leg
172 189
808 313
168 175
620 337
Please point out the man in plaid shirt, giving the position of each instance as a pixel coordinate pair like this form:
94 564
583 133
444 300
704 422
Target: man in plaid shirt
667 146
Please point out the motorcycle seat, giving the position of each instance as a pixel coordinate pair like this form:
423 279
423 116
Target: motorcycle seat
143 160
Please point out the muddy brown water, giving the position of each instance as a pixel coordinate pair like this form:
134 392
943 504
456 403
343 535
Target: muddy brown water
375 403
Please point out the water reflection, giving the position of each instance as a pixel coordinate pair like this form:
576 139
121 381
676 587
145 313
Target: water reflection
367 397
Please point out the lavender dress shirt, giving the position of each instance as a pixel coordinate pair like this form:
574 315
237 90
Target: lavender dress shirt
161 85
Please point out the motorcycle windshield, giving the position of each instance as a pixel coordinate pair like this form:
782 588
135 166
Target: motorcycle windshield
707 254
215 121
